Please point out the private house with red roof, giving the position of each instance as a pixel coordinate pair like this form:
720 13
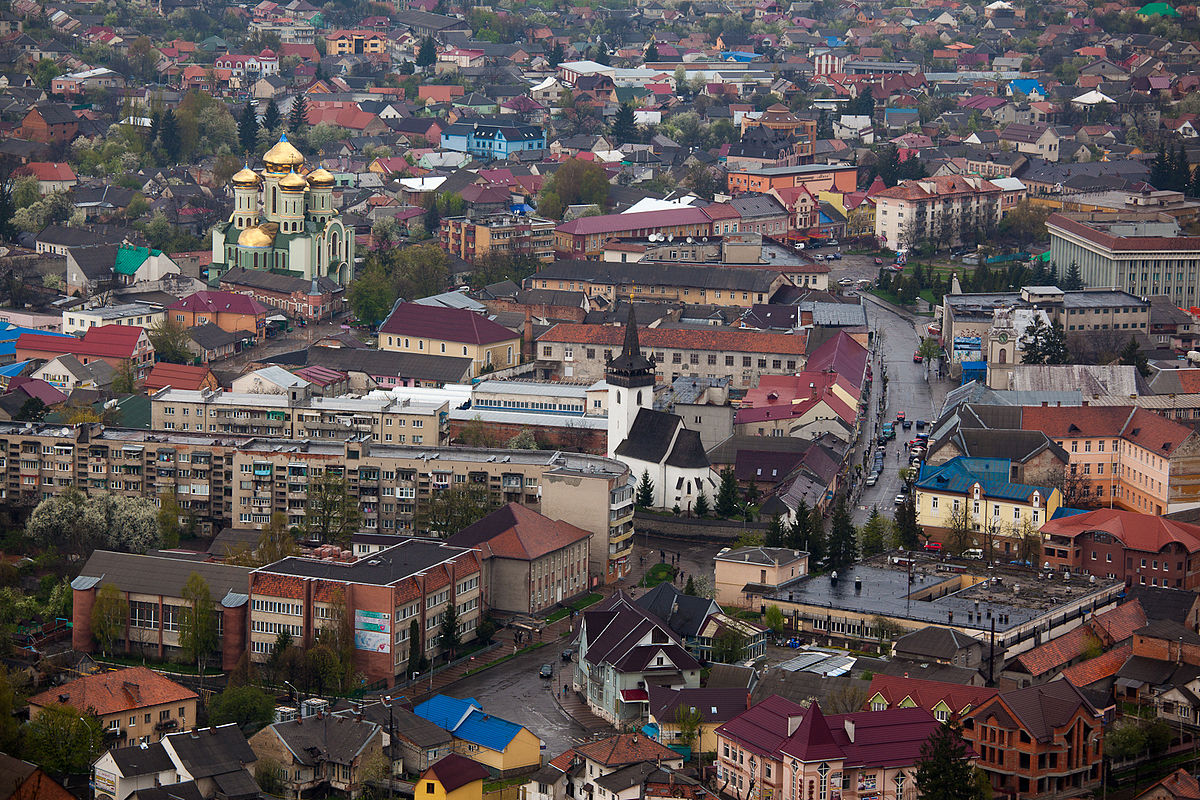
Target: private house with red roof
622 649
179 376
52 176
229 311
1140 460
113 344
586 235
946 701
1141 549
458 332
1179 785
1040 741
530 562
1107 631
778 745
131 703
807 405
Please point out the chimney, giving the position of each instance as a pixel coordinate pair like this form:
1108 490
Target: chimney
527 338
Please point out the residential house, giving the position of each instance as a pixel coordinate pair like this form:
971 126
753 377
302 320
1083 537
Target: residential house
66 373
948 702
1037 140
1041 741
52 176
134 705
531 563
1107 632
215 759
117 345
124 771
700 622
20 780
488 139
179 376
48 123
622 648
941 645
229 311
503 747
715 707
745 575
76 321
320 753
452 778
1141 549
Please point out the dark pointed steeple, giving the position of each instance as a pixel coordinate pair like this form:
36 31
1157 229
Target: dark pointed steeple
631 368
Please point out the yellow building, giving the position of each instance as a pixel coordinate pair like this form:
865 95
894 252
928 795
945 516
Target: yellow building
976 493
458 332
452 778
504 747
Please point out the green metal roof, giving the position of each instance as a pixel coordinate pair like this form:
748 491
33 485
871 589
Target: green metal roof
1157 9
130 259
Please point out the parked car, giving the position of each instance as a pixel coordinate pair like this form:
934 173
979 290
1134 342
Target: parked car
836 256
547 671
872 479
933 547
917 359
566 655
833 242
879 261
921 425
900 415
899 500
907 424
846 282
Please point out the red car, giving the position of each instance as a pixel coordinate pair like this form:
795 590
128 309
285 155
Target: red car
879 261
917 357
933 547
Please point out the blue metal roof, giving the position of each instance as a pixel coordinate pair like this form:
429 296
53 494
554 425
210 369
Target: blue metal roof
959 475
466 720
1027 86
13 369
9 333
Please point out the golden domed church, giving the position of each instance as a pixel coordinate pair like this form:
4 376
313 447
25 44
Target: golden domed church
284 221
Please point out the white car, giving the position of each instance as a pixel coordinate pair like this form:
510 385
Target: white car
818 257
846 282
872 479
899 500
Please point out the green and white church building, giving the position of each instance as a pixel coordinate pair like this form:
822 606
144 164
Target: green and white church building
283 221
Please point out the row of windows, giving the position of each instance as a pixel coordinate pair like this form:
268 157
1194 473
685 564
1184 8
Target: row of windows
277 607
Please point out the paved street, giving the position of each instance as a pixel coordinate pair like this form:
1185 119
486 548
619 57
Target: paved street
514 691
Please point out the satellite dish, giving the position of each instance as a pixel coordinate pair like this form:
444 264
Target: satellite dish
671 238
689 240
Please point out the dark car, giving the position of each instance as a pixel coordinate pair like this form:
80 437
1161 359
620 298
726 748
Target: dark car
920 424
906 424
566 655
547 671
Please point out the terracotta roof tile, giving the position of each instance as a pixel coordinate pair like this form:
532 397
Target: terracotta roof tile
625 748
1144 532
514 531
115 692
1102 666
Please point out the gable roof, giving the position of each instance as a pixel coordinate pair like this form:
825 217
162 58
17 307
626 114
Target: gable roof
625 748
1040 709
928 694
615 630
1144 532
936 641
466 720
713 704
332 738
455 771
177 376
444 324
218 302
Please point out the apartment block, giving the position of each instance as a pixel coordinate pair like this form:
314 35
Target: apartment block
503 234
384 419
946 210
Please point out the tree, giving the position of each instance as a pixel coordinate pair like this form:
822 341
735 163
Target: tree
271 118
689 588
168 518
1072 281
248 706
449 631
774 619
688 720
110 612
276 542
371 295
125 380
816 540
577 181
248 129
701 507
198 622
1054 349
1133 356
645 490
960 528
10 730
269 774
550 205
62 740
59 521
526 439
416 649
727 494
1125 740
728 647
427 53
322 665
555 54
32 410
843 539
775 533
332 513
1044 344
298 116
448 511
624 127
171 341
797 532
875 536
944 771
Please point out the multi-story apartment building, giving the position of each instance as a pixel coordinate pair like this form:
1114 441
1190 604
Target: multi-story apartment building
503 234
780 749
384 419
973 315
227 479
580 352
1143 549
945 210
379 596
1143 253
144 315
814 177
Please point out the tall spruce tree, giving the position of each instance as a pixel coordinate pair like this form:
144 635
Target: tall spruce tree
248 129
843 538
298 116
908 530
271 118
1160 170
797 532
944 771
727 494
170 135
775 533
1073 280
816 540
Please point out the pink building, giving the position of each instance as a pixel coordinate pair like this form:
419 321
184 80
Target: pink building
781 750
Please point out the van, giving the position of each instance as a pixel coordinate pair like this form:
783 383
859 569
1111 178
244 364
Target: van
973 552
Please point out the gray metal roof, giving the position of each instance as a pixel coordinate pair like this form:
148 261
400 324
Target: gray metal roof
162 575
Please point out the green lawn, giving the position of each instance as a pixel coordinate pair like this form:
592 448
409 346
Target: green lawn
578 605
883 294
657 574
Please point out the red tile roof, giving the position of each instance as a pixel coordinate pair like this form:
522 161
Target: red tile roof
625 748
741 341
514 531
1144 532
616 223
1102 666
940 186
177 376
1179 784
115 692
927 694
1111 242
444 324
1137 425
1104 630
121 343
48 170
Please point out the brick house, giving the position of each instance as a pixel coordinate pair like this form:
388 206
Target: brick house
1040 741
25 781
1141 549
294 296
229 311
48 123
113 344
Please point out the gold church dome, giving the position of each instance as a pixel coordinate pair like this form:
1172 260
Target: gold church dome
321 178
246 177
293 182
283 156
255 237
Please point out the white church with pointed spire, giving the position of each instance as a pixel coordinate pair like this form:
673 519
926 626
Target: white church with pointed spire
650 441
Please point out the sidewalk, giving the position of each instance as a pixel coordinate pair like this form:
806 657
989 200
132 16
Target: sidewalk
575 707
